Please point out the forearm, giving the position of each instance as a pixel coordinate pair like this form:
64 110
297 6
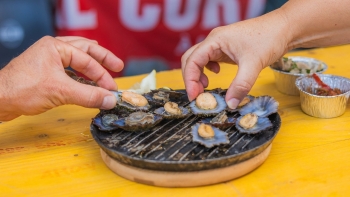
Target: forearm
317 23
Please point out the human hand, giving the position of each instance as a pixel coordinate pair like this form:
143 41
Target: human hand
35 81
252 44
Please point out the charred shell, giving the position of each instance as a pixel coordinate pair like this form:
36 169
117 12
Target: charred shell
221 121
138 121
105 122
213 106
261 124
173 95
157 99
262 106
219 137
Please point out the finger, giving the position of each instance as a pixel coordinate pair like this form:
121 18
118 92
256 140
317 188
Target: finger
100 54
243 82
72 38
185 57
204 80
194 65
85 64
87 96
213 67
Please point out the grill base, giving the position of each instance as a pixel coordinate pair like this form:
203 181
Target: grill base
185 179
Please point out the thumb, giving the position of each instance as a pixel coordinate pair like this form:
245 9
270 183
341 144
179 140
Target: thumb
243 82
89 96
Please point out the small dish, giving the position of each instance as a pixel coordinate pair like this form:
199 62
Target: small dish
323 106
285 81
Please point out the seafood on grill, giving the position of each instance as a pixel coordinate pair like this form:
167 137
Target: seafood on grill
208 104
254 115
105 122
136 121
252 124
221 120
208 136
131 101
172 110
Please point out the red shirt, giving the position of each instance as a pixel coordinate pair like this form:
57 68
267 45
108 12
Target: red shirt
150 32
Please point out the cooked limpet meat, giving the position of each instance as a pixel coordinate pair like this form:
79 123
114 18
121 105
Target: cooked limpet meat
248 121
208 104
206 131
131 101
206 101
252 124
134 99
172 108
217 136
244 101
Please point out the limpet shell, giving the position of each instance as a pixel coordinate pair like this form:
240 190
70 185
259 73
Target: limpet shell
138 121
219 121
262 123
105 122
262 106
220 137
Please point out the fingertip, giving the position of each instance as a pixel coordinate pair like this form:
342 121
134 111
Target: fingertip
232 103
213 67
109 102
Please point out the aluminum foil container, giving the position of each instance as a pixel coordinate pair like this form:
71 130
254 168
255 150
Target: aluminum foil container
285 81
323 106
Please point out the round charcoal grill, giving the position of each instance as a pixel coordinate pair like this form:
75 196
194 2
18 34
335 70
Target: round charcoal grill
168 146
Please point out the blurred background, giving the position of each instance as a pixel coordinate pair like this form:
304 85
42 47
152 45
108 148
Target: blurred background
145 34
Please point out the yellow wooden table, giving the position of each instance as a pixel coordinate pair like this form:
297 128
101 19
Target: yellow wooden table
53 154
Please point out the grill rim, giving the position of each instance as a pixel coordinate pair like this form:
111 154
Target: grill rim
193 165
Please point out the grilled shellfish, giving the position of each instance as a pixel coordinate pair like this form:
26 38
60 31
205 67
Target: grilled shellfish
138 121
254 115
171 110
208 136
208 104
221 121
131 101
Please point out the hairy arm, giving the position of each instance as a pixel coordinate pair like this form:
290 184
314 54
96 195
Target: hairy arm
256 43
